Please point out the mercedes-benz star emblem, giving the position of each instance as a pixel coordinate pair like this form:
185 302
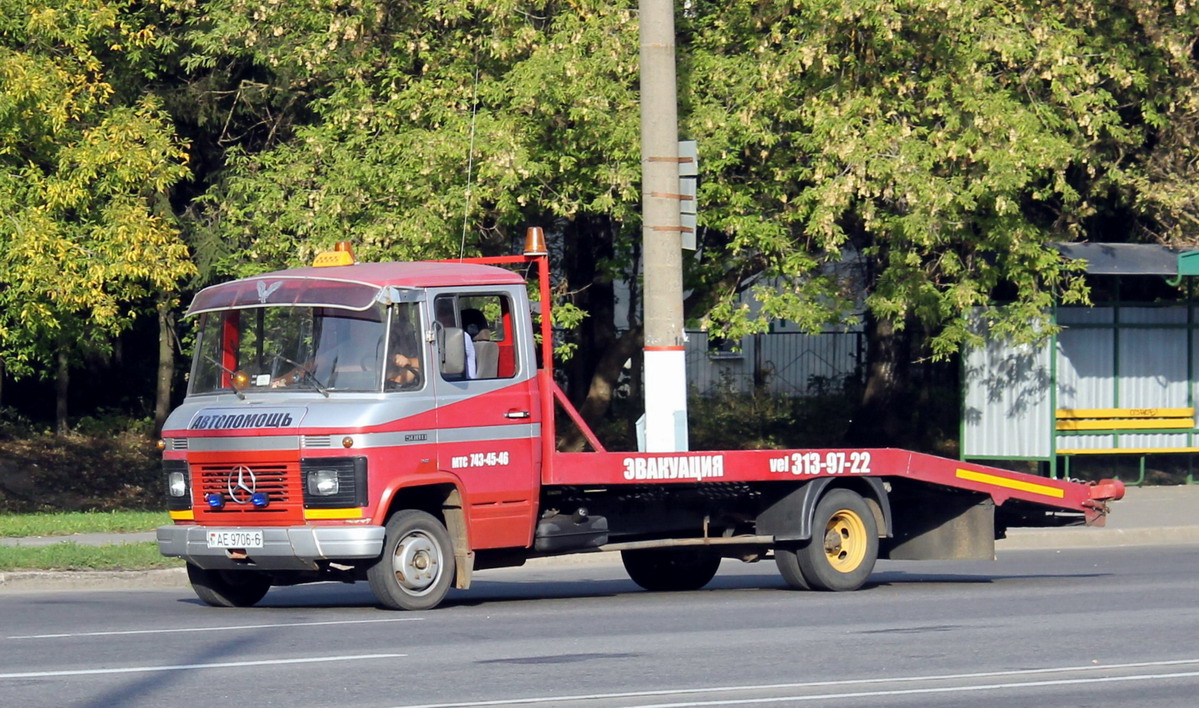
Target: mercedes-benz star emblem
242 484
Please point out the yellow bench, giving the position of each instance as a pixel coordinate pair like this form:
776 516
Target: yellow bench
1126 421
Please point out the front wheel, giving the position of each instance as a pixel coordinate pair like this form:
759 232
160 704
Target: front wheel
228 588
675 569
842 551
417 567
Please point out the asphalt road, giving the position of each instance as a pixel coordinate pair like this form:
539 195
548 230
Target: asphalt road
1075 627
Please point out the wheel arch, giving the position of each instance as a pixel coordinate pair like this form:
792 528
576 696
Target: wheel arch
446 501
788 515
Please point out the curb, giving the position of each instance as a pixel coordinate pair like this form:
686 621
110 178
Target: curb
1062 538
74 580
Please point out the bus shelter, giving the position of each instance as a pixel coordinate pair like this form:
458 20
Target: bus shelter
1117 377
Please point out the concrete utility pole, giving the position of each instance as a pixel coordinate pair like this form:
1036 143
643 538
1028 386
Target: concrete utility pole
665 358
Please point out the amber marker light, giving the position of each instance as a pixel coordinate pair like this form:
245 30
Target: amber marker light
535 242
347 441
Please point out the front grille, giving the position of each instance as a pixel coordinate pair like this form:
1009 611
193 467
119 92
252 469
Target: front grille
279 480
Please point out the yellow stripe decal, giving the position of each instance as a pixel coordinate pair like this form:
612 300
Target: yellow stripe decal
1011 483
188 515
333 513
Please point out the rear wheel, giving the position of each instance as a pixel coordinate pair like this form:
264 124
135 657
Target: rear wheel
228 588
417 567
671 568
787 560
843 548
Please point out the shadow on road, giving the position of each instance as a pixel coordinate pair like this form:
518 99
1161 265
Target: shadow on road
548 584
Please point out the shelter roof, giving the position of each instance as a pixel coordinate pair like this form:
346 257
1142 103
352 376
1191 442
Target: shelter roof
1123 258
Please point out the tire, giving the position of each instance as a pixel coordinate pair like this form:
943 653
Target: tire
417 566
664 569
228 588
787 560
842 551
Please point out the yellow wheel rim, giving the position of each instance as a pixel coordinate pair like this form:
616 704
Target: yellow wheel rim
845 541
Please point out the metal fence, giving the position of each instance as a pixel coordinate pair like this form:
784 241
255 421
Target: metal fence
791 363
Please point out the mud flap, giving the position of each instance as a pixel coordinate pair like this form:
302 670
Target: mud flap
464 558
937 525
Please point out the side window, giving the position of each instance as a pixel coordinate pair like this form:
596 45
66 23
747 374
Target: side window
485 325
405 370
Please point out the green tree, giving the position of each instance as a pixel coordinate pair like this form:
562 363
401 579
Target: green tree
1158 185
87 157
939 147
433 129
412 118
907 160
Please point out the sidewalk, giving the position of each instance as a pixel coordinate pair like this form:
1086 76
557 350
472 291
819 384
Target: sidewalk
1147 516
83 539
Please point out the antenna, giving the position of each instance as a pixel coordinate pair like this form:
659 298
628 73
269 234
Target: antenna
470 158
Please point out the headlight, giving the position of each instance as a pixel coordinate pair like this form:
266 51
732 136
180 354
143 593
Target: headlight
334 482
178 488
177 484
323 483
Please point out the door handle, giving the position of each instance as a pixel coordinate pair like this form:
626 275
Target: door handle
516 414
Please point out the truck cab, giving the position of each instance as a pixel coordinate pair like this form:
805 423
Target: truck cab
323 399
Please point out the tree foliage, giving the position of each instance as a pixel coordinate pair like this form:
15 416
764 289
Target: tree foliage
912 159
941 145
84 165
428 128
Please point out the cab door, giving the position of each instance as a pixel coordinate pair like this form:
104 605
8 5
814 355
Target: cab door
488 423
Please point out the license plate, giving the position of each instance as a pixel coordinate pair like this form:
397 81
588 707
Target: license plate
235 539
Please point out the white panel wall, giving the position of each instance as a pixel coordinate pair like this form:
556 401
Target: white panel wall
1085 361
1007 409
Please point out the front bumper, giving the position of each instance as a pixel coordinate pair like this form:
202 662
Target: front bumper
283 548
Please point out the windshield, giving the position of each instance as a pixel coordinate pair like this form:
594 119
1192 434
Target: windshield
267 349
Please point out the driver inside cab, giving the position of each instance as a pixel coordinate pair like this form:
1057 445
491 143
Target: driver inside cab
404 360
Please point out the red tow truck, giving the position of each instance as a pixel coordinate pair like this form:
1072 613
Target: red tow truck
395 423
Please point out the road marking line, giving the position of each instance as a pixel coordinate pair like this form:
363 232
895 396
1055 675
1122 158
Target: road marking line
917 691
813 684
189 667
211 629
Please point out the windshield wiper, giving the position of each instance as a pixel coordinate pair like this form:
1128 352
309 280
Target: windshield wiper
233 376
316 383
306 375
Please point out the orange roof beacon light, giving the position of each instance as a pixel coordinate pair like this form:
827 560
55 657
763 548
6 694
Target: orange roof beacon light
342 254
535 242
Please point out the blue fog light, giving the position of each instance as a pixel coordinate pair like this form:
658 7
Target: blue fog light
215 501
260 499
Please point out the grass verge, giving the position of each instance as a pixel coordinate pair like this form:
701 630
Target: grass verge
73 556
67 523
